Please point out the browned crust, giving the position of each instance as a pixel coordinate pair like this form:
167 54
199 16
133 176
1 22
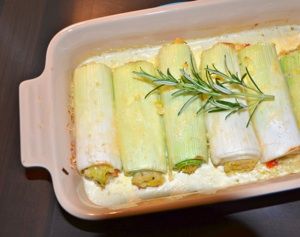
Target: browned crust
179 41
286 52
235 46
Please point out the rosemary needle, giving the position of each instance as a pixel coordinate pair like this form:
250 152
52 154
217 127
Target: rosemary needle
215 91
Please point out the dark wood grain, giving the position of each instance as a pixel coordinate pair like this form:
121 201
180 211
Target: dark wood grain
27 202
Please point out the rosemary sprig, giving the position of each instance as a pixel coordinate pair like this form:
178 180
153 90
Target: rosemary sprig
215 91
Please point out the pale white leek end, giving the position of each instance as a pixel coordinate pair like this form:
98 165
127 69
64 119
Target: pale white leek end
229 138
274 121
94 117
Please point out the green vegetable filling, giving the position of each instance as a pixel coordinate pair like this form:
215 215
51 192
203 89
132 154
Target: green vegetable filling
188 166
144 179
100 174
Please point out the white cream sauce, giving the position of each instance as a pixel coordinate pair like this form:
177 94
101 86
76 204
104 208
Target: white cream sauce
207 179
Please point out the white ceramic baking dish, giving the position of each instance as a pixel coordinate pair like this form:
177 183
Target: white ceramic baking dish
45 139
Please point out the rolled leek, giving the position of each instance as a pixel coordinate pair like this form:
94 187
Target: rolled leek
140 128
231 143
97 155
274 120
185 133
290 65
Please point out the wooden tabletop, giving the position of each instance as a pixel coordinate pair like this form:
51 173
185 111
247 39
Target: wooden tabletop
28 206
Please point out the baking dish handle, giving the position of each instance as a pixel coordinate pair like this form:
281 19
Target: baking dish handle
36 134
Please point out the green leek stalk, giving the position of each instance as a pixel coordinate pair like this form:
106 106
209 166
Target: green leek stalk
185 133
231 143
140 127
97 155
290 65
274 121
